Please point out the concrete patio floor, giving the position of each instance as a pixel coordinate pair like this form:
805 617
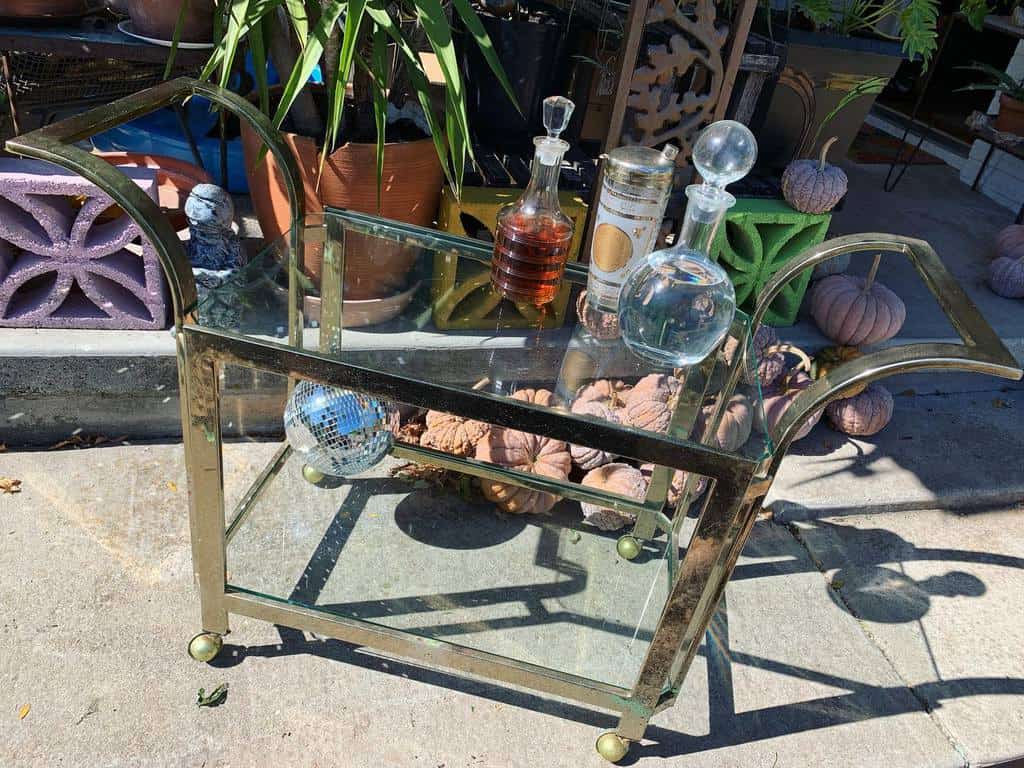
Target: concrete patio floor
889 639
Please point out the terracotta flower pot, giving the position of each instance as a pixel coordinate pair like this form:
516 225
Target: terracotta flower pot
158 18
410 193
45 9
1011 115
175 179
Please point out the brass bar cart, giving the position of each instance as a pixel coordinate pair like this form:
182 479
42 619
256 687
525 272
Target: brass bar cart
667 572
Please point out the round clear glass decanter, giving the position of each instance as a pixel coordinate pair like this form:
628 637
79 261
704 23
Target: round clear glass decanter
676 305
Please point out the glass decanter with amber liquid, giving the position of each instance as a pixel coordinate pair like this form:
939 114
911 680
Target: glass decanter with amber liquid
532 236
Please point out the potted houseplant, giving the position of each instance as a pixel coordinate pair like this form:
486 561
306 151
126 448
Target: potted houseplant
368 121
44 9
834 46
1011 96
533 53
188 21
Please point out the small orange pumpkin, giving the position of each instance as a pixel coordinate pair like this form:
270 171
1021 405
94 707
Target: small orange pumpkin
526 453
651 403
830 358
591 458
452 434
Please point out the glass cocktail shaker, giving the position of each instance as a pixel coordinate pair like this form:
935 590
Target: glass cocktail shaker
634 192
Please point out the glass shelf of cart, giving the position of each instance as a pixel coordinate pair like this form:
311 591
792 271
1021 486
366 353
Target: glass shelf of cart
494 360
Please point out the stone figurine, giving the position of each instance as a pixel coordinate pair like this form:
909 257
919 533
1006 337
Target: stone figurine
212 243
215 253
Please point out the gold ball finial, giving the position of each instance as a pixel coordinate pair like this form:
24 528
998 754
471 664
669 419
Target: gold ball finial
628 547
612 747
312 474
205 646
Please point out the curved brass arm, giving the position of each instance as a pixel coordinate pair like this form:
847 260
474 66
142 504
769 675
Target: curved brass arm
55 144
982 350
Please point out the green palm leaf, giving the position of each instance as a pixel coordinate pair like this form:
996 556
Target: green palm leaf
238 20
483 41
310 57
299 19
419 84
336 96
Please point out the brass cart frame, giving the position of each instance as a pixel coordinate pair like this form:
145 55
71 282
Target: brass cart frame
722 527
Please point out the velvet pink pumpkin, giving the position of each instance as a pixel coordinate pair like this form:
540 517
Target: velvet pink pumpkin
814 186
678 483
770 363
590 458
855 311
734 426
778 400
622 479
864 414
1010 241
1006 276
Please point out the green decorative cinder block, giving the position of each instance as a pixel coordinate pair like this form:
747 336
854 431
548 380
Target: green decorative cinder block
756 239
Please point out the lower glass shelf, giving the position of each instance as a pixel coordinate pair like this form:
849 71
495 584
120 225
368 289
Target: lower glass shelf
418 557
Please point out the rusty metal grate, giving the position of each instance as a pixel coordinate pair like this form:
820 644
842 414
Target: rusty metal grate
48 85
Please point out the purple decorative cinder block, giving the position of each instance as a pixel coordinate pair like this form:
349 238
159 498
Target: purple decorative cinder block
66 262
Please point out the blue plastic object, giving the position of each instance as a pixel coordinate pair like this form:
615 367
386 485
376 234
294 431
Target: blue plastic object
160 134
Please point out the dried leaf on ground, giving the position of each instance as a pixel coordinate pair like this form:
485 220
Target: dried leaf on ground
23 711
426 475
411 431
215 698
87 441
998 402
172 486
10 485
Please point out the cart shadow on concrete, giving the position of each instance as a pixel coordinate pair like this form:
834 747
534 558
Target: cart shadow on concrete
876 592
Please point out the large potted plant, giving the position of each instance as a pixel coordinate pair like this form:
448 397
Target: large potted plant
1011 96
833 47
189 21
371 138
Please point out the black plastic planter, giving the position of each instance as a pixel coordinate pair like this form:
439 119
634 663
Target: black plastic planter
534 55
820 70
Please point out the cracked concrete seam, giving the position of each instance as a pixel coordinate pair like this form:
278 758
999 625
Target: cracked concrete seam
794 531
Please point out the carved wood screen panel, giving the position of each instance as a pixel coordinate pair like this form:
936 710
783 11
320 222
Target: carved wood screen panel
675 63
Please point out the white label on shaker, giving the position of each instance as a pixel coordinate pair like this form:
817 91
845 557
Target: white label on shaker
626 229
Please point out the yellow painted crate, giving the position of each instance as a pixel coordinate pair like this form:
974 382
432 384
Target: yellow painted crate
464 299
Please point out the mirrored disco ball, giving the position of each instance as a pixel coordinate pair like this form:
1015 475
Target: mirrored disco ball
338 431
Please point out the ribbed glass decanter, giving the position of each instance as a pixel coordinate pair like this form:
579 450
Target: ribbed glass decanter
532 236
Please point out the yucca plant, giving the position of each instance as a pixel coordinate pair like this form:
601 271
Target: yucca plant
995 80
353 41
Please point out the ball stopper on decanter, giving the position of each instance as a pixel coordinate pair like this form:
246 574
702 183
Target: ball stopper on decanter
676 305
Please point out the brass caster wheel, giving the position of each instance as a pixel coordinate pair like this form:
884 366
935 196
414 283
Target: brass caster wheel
311 474
205 646
628 548
611 746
